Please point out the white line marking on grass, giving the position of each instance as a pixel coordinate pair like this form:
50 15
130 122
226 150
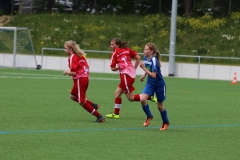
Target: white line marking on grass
47 76
108 79
33 77
59 77
116 129
28 74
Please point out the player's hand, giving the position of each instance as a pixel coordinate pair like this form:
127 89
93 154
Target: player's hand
64 73
115 69
141 78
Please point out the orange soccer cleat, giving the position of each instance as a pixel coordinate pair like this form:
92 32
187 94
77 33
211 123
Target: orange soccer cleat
164 126
147 122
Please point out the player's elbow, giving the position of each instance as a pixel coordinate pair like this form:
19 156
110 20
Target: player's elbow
154 75
138 58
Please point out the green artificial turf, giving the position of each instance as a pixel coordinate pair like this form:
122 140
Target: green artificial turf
38 121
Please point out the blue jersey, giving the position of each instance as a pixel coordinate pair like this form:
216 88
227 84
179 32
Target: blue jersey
154 85
153 66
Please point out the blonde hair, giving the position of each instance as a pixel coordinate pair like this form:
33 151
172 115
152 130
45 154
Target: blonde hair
75 47
153 48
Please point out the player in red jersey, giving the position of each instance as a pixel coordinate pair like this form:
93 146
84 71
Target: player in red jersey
79 70
121 61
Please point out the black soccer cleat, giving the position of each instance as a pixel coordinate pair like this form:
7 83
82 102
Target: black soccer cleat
100 119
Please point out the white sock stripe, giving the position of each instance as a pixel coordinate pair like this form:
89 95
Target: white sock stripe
117 106
93 111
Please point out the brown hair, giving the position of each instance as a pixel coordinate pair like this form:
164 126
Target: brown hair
153 48
75 47
119 43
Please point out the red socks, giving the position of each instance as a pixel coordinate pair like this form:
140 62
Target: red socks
118 103
90 109
137 97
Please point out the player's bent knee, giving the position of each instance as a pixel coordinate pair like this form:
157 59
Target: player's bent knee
143 100
131 99
161 107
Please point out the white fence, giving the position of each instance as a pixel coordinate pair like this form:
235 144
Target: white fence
185 70
182 70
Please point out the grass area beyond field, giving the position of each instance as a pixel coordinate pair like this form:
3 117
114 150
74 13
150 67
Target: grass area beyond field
39 121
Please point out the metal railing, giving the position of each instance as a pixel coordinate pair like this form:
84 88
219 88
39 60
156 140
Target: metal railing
166 55
202 57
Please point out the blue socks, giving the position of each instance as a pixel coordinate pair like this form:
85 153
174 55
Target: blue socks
147 111
164 116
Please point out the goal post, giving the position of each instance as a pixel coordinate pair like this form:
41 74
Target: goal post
18 42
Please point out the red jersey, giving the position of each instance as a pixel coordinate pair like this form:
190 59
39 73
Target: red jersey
122 58
79 65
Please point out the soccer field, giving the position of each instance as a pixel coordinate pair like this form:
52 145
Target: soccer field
39 121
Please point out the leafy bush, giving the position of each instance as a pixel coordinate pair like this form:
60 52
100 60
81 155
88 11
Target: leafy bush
206 35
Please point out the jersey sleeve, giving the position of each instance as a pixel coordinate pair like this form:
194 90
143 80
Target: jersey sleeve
154 64
73 63
113 60
132 53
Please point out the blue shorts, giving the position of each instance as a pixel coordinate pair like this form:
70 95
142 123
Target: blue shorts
160 92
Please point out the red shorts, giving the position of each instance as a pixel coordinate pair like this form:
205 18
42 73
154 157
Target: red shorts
126 83
79 89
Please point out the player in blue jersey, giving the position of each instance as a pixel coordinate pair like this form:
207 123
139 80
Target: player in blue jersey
155 84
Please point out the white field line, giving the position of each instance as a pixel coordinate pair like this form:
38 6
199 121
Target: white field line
10 73
46 76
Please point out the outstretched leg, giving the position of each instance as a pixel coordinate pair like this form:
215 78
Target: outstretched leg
94 105
93 111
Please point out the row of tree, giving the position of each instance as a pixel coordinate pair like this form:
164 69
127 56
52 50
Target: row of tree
142 7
